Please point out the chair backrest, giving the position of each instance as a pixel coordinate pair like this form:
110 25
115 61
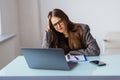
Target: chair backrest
112 40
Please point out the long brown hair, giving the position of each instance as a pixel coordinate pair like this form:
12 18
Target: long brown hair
75 32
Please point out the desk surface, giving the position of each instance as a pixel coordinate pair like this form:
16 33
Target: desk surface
19 67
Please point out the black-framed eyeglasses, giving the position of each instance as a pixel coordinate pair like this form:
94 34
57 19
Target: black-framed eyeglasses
58 23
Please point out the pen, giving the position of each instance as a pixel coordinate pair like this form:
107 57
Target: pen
85 57
76 58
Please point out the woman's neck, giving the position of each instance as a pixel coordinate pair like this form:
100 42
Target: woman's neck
65 34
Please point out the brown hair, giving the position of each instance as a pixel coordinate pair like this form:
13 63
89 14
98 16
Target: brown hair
75 32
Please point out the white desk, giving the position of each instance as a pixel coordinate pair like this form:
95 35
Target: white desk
19 67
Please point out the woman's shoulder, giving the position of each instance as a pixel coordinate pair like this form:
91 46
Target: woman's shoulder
84 27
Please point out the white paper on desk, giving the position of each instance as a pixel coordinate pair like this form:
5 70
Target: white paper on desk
75 58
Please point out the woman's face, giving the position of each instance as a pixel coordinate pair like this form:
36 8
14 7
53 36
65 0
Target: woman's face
59 24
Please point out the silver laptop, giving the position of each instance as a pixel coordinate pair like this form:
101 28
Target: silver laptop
47 58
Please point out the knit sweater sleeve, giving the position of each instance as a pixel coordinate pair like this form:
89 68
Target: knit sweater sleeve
46 40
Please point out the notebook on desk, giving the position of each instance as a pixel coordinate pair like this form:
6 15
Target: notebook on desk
47 58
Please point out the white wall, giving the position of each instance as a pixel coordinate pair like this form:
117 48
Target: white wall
7 52
29 18
0 22
9 49
9 19
102 16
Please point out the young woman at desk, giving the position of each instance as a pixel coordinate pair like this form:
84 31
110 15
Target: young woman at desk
72 37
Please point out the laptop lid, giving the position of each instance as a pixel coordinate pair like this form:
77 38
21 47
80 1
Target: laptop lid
45 58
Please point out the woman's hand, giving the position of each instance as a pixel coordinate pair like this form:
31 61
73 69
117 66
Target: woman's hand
68 55
48 24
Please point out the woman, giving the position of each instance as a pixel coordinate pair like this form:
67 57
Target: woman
74 38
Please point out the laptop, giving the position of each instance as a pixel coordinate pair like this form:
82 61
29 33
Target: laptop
47 58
